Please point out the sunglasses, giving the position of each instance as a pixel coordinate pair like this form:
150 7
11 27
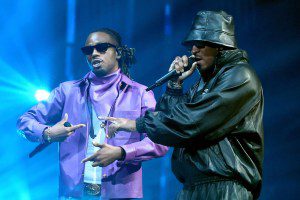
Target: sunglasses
101 47
200 44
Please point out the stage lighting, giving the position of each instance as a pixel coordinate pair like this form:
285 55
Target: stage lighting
41 95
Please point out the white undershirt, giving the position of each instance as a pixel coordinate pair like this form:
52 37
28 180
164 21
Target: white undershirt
94 174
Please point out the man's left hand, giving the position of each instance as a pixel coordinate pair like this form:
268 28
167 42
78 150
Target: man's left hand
106 155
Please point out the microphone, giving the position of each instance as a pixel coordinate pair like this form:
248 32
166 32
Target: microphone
41 147
172 74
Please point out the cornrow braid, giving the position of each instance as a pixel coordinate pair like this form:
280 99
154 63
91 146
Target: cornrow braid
127 59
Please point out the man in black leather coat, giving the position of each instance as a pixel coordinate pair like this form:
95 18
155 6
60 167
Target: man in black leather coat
216 128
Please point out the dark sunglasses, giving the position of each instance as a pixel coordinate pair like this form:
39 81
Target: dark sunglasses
200 44
101 47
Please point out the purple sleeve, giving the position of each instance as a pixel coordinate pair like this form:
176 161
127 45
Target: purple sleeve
32 123
144 149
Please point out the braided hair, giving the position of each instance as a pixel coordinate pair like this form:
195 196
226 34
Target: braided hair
127 54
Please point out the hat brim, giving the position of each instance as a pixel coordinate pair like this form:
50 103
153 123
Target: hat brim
219 38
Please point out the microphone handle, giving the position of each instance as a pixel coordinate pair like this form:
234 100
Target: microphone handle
38 148
41 147
172 74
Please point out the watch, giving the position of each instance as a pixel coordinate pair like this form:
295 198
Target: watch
174 85
46 135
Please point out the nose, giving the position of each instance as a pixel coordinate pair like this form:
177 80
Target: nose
195 49
95 51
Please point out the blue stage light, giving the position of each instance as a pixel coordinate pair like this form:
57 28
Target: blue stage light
41 95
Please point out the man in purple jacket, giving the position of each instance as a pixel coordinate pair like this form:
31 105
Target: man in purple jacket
92 165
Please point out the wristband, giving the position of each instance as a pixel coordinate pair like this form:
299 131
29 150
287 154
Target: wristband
174 85
46 135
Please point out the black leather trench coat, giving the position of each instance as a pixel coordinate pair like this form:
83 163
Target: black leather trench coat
216 132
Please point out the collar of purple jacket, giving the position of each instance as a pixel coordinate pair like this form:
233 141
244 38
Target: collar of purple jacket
86 80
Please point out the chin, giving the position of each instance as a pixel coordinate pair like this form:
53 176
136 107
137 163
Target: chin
99 72
203 68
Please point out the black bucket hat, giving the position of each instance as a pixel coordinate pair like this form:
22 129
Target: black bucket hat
213 27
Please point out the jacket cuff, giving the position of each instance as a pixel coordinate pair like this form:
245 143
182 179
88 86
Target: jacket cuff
174 92
39 130
130 152
123 154
140 125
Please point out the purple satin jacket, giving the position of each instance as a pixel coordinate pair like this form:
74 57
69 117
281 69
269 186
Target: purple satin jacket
121 179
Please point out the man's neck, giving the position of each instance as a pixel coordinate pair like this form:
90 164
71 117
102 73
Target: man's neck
102 75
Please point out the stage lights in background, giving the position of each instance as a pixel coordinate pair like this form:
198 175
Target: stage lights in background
41 95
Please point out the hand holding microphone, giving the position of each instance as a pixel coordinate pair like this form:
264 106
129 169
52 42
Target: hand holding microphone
181 68
184 66
60 131
57 133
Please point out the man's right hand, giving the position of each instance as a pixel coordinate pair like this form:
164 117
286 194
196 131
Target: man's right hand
179 63
119 124
59 132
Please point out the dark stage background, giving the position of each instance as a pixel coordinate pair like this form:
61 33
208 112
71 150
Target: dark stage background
40 47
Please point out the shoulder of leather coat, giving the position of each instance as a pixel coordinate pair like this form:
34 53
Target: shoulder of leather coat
237 75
